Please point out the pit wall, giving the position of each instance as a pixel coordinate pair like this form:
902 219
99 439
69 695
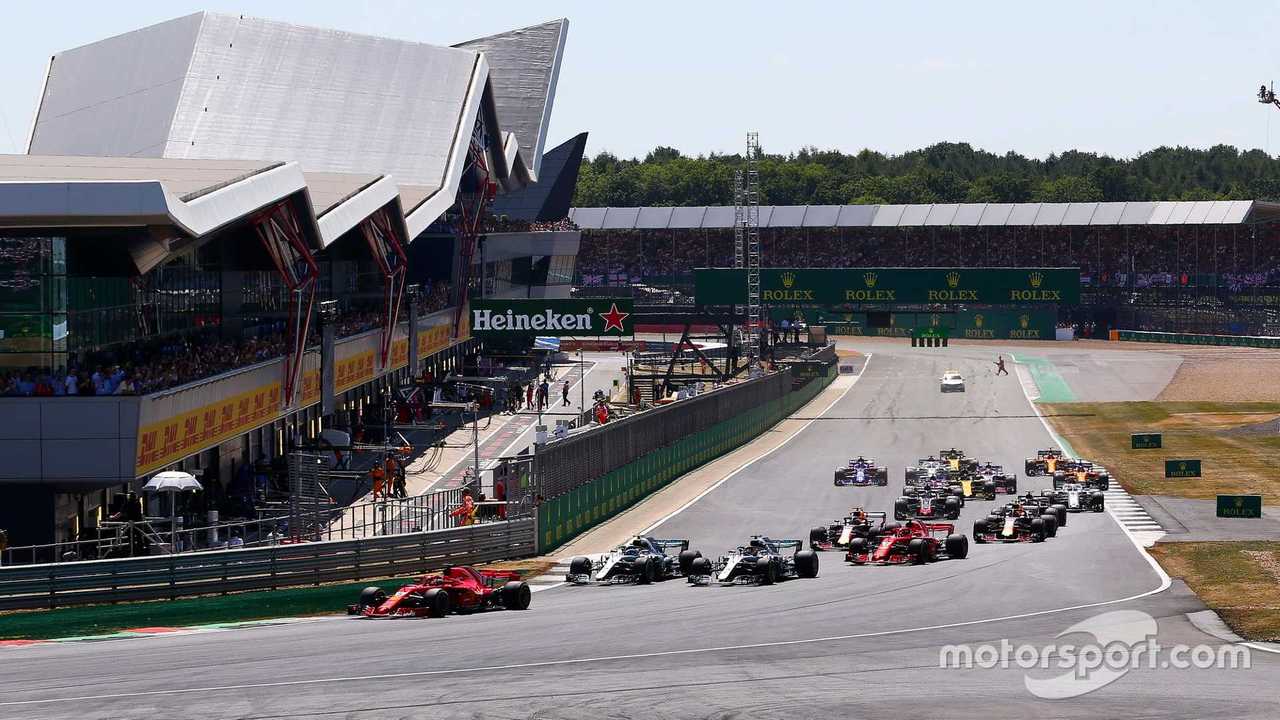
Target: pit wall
589 503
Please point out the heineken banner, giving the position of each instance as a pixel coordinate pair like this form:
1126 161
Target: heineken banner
985 286
552 318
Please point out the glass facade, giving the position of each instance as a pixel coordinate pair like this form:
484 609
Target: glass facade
33 303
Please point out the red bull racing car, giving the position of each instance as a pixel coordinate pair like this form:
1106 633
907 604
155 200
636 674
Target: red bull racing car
913 542
858 523
453 589
1026 519
861 472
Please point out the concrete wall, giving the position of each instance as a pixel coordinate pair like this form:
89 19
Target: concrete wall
73 443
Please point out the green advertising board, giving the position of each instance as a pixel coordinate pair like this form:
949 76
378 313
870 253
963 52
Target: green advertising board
886 286
1181 468
552 318
1145 441
1239 506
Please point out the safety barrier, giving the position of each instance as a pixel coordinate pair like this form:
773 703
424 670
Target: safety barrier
581 499
1257 341
223 571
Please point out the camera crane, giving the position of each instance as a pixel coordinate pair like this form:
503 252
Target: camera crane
1267 95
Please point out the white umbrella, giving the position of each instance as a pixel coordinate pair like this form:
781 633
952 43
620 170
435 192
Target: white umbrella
172 481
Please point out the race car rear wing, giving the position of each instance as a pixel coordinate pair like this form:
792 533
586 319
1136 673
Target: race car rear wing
665 545
943 528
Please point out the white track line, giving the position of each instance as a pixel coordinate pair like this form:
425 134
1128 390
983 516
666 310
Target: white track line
1165 581
866 363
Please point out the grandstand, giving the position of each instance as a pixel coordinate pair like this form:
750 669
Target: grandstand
194 190
1210 267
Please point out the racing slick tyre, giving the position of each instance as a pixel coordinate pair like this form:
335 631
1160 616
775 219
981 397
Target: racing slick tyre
1037 530
908 490
989 490
516 595
1099 501
700 567
649 572
436 602
957 546
857 546
686 560
979 531
580 566
882 478
891 528
371 597
768 574
816 536
952 508
1061 511
1050 524
807 564
901 509
918 551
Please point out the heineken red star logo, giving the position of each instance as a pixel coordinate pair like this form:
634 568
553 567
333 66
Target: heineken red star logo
613 318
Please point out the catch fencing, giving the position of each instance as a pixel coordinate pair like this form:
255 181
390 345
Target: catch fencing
307 563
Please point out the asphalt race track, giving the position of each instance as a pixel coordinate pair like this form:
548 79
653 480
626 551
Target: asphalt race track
853 643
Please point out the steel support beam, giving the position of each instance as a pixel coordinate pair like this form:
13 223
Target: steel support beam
379 232
280 230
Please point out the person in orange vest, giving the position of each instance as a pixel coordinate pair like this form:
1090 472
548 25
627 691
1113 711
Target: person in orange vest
466 512
500 494
379 477
395 475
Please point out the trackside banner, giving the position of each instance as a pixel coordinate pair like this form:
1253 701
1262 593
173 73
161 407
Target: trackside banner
801 286
552 318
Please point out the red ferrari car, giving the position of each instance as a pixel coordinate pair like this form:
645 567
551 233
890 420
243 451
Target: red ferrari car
913 542
453 589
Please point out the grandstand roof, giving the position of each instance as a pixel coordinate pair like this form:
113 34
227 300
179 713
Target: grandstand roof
1198 212
366 119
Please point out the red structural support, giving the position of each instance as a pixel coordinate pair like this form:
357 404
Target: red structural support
380 233
476 192
281 234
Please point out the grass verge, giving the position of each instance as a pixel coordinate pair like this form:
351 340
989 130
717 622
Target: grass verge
1239 580
1237 442
211 610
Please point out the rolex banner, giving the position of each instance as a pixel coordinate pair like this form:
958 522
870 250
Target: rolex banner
552 318
888 286
978 324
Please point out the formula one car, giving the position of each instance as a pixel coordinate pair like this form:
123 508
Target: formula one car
929 468
913 542
862 472
1048 506
1076 497
929 503
642 560
1044 463
454 589
957 461
761 561
1016 522
858 523
990 473
1082 472
952 382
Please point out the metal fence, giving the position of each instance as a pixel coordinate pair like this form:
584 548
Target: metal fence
566 464
119 540
306 563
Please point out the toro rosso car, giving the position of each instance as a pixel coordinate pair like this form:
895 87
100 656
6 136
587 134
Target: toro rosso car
927 503
453 589
862 472
761 561
1044 463
913 542
1082 472
642 560
857 524
1076 497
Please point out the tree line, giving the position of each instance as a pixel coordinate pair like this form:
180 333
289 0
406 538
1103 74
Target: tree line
946 172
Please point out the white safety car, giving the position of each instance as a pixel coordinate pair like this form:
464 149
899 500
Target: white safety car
952 381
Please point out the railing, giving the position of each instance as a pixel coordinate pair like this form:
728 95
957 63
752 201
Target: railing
122 540
1197 339
306 563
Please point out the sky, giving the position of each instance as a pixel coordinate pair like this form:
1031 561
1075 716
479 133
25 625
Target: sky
1036 78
